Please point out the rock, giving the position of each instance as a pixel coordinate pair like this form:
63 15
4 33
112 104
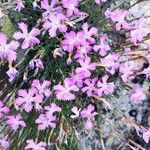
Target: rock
89 141
140 9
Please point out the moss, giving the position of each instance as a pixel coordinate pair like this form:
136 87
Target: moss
7 26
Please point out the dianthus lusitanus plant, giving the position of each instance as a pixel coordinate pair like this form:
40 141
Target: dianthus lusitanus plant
62 65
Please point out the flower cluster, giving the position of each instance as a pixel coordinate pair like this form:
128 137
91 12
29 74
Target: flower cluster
29 98
34 96
47 119
97 63
119 17
42 88
15 121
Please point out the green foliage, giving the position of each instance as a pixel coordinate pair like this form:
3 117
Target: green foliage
7 26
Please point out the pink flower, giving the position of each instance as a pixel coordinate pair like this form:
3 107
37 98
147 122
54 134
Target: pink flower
77 79
111 62
76 112
15 121
12 74
36 63
31 145
20 5
42 88
86 67
119 17
29 37
50 8
55 22
88 112
137 35
52 108
90 87
46 121
88 33
82 51
4 143
104 87
69 41
126 70
137 94
146 136
103 47
100 1
72 40
88 124
28 99
139 32
71 6
66 91
7 51
3 109
45 4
